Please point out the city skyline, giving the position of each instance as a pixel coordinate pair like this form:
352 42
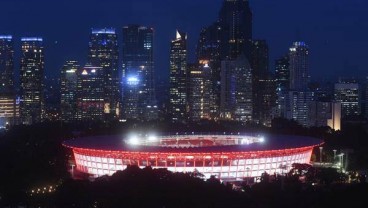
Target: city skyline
323 36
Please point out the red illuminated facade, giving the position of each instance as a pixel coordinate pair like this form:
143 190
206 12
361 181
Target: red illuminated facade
227 157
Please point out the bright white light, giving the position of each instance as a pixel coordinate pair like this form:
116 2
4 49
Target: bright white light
132 81
133 140
262 139
245 141
152 138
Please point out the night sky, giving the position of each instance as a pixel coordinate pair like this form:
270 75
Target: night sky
335 30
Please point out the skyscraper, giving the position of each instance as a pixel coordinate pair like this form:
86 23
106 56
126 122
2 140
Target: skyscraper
298 66
282 73
178 78
138 73
236 90
200 91
8 110
31 80
209 48
226 39
91 105
297 106
347 92
282 81
6 64
69 79
235 20
261 80
103 52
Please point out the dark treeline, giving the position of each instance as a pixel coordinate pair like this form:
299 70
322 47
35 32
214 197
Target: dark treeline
135 187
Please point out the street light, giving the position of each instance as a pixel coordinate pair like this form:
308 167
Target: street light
334 158
341 161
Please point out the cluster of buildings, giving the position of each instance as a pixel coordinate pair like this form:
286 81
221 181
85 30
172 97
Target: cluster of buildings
229 80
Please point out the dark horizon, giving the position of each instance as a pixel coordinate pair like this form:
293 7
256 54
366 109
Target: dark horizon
335 31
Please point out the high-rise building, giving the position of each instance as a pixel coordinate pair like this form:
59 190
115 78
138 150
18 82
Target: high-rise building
298 66
139 97
200 91
6 64
335 121
325 114
31 80
69 82
261 81
91 105
226 39
347 92
209 48
282 73
103 52
236 90
178 78
235 20
297 106
282 79
8 107
267 100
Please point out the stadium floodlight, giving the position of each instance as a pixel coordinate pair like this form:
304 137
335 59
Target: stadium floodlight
152 138
133 140
262 139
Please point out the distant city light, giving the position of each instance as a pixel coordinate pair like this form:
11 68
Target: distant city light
132 80
6 37
103 31
32 39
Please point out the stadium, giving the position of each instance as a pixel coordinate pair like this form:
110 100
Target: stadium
227 157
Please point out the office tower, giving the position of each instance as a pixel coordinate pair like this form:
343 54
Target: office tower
139 97
335 121
178 78
200 91
8 109
6 64
298 66
267 100
103 52
226 39
31 80
347 92
260 78
323 113
282 79
282 73
91 105
235 19
297 106
69 79
236 90
209 48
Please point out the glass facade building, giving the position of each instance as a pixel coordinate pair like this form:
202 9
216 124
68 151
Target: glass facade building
32 80
69 83
103 52
91 105
139 97
178 78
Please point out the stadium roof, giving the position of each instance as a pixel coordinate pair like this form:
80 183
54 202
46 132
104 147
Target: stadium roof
117 143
